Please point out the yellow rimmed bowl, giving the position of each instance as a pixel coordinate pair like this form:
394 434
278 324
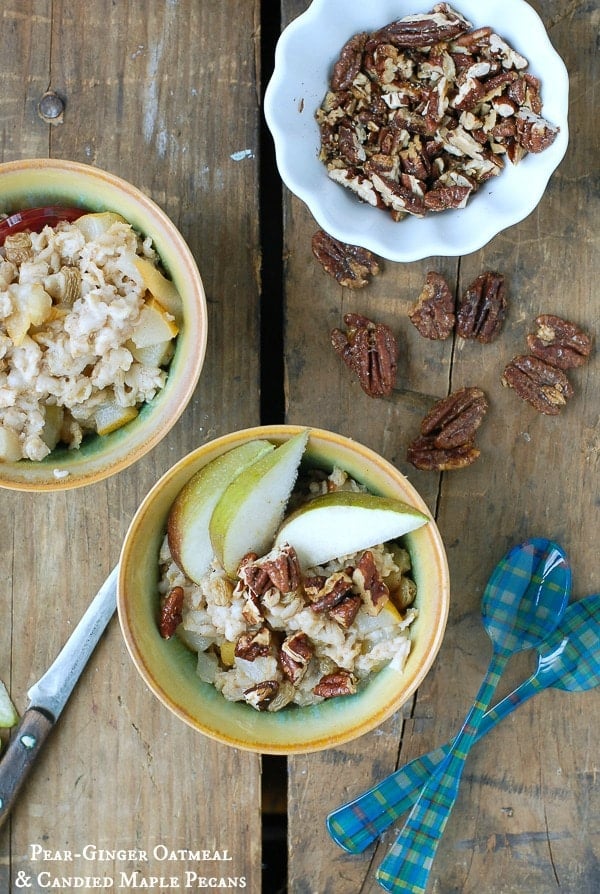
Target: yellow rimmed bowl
35 183
169 669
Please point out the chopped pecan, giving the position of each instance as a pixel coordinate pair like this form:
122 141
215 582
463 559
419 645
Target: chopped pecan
370 585
370 350
171 613
346 611
433 313
261 695
339 683
482 308
442 198
351 265
294 657
534 133
283 568
312 585
559 342
253 576
453 421
252 645
545 387
332 592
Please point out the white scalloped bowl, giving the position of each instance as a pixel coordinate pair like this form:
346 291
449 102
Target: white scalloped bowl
305 54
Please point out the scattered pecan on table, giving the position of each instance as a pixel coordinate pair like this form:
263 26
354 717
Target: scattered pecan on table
447 438
545 387
351 265
423 111
433 314
482 308
370 350
559 342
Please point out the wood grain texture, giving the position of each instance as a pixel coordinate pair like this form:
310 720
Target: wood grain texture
527 818
165 95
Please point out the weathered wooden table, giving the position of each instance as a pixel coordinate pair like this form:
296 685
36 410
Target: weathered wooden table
168 96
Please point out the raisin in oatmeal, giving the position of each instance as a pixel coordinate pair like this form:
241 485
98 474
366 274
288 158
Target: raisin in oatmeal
80 337
280 636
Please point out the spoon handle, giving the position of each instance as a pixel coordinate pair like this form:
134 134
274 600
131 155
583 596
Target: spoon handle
355 825
408 863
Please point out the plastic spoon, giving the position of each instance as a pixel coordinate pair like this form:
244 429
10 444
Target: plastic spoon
569 659
522 604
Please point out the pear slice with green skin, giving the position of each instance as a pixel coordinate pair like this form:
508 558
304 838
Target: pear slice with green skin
189 518
250 511
344 522
8 712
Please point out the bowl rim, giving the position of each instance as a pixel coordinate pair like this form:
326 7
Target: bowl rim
56 474
288 107
172 481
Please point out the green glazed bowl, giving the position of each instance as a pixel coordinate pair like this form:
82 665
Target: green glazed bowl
34 183
168 668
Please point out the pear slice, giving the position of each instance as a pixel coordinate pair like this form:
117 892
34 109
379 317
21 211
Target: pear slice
8 712
251 509
189 518
344 522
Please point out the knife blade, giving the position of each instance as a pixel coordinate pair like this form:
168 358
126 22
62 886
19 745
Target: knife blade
49 695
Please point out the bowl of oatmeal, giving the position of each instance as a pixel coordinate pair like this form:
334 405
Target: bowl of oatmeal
102 324
269 658
416 129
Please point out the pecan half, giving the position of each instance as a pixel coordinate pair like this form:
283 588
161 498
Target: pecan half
559 342
482 308
294 657
252 645
339 683
332 592
261 695
423 30
423 455
545 387
453 421
171 613
370 350
351 265
346 611
349 62
369 583
433 313
283 568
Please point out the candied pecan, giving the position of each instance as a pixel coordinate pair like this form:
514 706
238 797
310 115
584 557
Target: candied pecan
171 613
283 568
346 611
559 342
545 387
482 308
423 30
349 62
534 133
442 198
294 657
351 265
339 683
312 585
252 645
333 591
370 585
433 313
261 695
253 576
423 454
370 350
453 421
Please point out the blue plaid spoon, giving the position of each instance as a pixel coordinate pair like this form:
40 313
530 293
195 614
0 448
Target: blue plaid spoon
522 604
569 659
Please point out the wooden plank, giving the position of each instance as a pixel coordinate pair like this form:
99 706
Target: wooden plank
527 816
164 95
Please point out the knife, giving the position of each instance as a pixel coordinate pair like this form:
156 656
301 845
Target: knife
50 694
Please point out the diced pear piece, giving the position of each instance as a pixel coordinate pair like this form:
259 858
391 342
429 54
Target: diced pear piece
154 325
160 287
343 522
8 712
152 355
251 509
95 224
111 416
53 423
10 445
189 518
32 307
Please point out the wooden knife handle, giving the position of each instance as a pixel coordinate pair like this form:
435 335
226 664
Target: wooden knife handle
19 756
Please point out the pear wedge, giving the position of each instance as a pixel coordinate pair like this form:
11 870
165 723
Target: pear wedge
189 518
344 522
8 712
250 511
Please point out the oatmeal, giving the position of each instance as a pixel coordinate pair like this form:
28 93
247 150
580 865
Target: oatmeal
83 343
278 635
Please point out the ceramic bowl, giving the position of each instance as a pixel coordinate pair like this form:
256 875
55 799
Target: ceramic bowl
36 183
168 668
304 58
